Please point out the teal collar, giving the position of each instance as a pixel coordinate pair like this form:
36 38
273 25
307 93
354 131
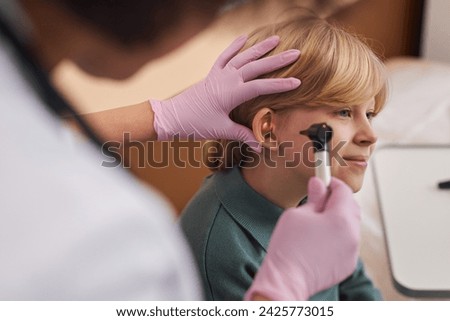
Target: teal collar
247 207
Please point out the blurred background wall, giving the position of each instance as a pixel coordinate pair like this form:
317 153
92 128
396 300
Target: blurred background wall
392 25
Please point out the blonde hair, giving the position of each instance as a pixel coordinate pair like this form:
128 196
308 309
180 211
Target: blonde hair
336 68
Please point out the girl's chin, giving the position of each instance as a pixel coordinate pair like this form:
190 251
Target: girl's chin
355 183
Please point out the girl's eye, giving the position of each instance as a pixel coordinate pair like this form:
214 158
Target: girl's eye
370 115
344 113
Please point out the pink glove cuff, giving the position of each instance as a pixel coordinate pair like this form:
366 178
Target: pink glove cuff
270 284
160 123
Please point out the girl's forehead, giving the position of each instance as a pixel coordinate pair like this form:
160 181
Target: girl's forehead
350 104
303 113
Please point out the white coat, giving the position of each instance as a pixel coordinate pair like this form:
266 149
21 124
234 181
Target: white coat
71 229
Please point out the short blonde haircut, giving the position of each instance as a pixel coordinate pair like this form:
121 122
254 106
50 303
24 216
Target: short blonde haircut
336 69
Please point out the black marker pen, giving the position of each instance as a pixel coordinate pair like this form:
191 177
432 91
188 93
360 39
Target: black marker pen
444 185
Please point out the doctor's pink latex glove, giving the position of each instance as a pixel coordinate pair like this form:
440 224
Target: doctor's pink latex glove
313 247
202 110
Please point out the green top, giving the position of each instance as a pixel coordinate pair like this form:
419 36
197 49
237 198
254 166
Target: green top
228 225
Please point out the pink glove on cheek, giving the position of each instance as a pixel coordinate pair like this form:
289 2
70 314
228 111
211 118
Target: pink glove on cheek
202 110
310 249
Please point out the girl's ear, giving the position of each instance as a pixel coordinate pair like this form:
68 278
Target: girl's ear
263 126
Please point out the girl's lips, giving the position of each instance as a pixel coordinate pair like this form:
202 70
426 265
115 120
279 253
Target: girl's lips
356 161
